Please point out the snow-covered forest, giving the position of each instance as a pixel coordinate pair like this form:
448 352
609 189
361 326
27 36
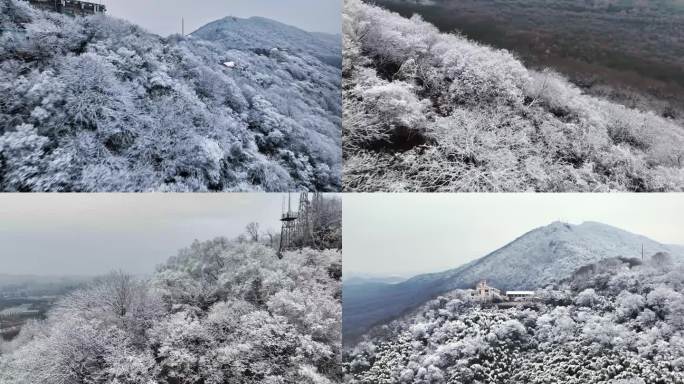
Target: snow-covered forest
98 104
220 311
617 321
427 111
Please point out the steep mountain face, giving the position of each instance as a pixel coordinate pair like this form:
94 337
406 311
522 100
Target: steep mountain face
99 104
534 260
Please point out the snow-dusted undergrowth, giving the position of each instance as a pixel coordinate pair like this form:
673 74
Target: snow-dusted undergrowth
220 311
426 111
98 104
621 323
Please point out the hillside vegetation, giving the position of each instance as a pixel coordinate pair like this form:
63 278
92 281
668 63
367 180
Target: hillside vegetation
221 311
620 324
98 104
427 111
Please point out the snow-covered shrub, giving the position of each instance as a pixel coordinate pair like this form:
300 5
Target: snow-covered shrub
490 123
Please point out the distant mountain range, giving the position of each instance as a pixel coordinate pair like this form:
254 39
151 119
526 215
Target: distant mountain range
540 257
353 279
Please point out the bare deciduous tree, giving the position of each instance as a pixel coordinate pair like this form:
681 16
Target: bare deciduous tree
253 231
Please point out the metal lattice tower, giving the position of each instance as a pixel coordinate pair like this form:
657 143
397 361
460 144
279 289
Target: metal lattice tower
304 224
288 231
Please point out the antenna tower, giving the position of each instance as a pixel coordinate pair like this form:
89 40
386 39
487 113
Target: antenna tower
288 231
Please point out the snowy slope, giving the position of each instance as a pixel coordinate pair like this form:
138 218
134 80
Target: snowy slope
535 259
427 111
552 253
99 104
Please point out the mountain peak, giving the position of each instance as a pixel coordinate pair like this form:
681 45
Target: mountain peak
259 33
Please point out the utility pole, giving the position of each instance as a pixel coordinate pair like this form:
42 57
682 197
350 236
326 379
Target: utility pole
642 252
183 26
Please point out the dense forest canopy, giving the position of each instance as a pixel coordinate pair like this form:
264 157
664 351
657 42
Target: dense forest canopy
221 311
428 111
98 104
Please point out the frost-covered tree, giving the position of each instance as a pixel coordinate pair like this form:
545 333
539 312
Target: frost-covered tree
221 311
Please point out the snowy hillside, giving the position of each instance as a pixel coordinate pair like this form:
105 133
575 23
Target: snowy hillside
626 328
549 254
98 104
221 311
540 257
433 112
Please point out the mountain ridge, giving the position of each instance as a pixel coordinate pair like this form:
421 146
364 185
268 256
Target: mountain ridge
558 250
263 33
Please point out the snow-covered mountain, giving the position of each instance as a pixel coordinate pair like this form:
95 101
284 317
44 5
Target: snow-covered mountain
98 104
537 258
549 254
258 33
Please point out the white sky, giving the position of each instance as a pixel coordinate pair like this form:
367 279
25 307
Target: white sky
163 17
410 234
91 234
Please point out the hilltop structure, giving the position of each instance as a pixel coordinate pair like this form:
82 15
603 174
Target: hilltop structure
487 294
69 7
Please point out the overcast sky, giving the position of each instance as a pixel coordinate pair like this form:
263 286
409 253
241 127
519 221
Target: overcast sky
92 234
409 234
163 17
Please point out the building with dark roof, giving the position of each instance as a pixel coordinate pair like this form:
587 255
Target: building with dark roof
69 7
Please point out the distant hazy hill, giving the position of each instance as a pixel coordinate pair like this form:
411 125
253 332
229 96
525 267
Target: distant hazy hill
354 279
29 285
99 104
537 258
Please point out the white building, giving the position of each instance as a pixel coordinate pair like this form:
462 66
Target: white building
484 292
520 295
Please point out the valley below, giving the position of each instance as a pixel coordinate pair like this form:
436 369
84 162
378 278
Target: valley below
26 298
630 52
